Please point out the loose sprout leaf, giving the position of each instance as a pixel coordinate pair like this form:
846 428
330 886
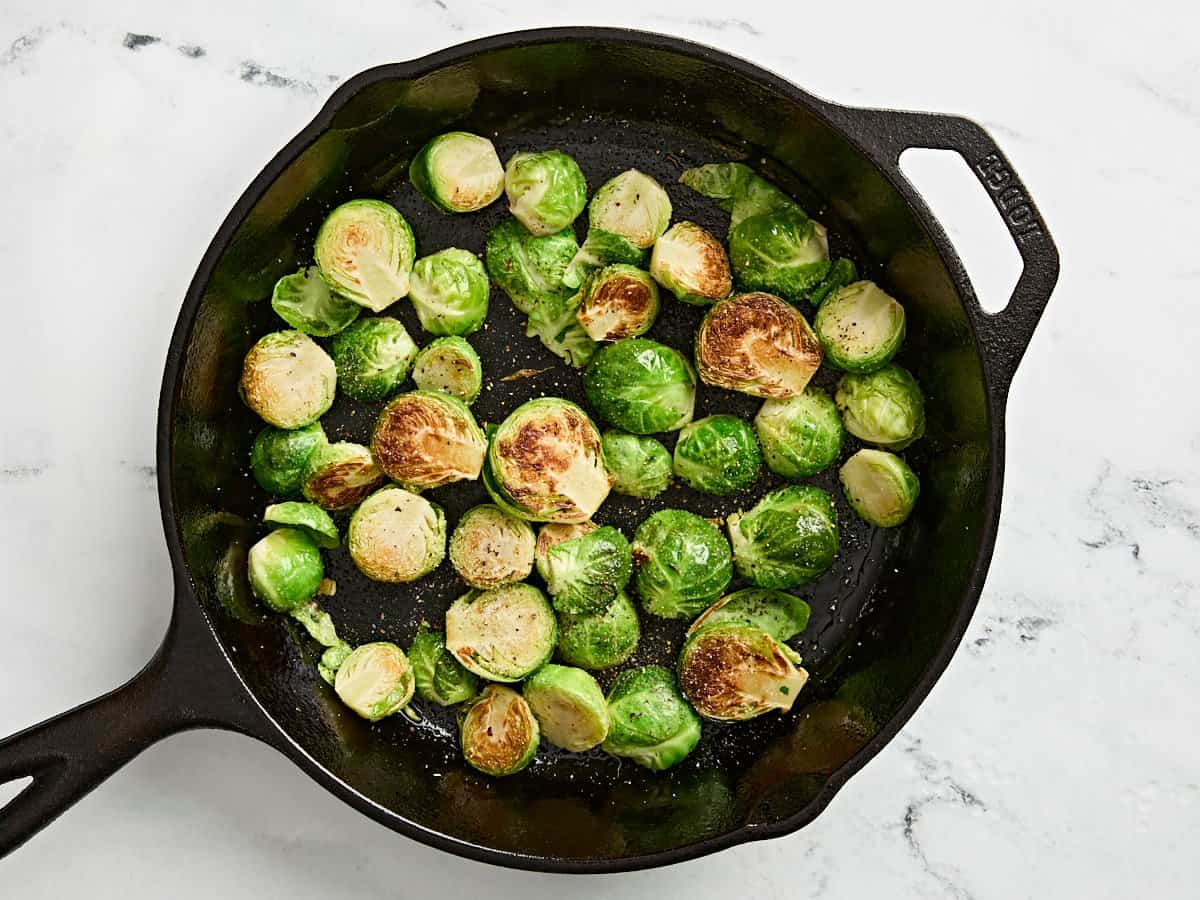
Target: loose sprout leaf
308 517
779 614
305 302
554 322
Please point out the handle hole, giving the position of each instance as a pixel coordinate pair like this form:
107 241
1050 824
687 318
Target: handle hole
10 790
975 228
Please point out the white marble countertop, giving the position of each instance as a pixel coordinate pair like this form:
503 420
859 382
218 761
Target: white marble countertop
1055 757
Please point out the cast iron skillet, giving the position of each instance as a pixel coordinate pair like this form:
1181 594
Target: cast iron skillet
886 620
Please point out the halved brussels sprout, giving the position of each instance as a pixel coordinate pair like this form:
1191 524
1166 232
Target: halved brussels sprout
626 216
734 672
498 732
546 191
885 408
789 538
503 634
288 380
440 677
782 616
449 290
682 564
373 357
278 458
339 476
651 722
489 547
375 680
641 386
365 251
691 264
458 172
306 517
569 706
528 267
718 455
600 640
305 302
639 466
397 536
880 487
554 533
585 573
616 302
546 458
425 439
860 327
554 321
757 344
449 365
285 569
800 435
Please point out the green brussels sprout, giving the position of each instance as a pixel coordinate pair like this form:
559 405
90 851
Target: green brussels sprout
425 439
800 435
789 538
306 517
547 460
584 574
639 466
569 706
449 290
551 535
885 408
458 172
546 191
490 548
841 273
616 302
528 267
880 487
375 680
285 569
682 564
733 672
449 365
651 722
373 357
860 328
503 634
319 625
288 380
339 476
440 677
718 455
782 616
365 251
554 321
600 640
757 344
498 732
625 217
397 536
691 264
278 458
305 302
641 386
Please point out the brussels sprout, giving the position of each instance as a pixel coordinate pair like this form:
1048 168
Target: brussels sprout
440 677
458 172
617 302
885 408
489 547
691 264
600 640
320 626
498 732
288 380
841 273
860 327
757 344
554 321
305 302
718 455
639 466
425 439
397 536
651 722
641 386
682 564
800 435
306 517
449 290
782 616
569 706
339 476
503 634
373 357
278 458
626 216
734 672
449 365
584 574
551 535
546 458
546 191
365 251
528 267
375 680
285 569
880 486
789 538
